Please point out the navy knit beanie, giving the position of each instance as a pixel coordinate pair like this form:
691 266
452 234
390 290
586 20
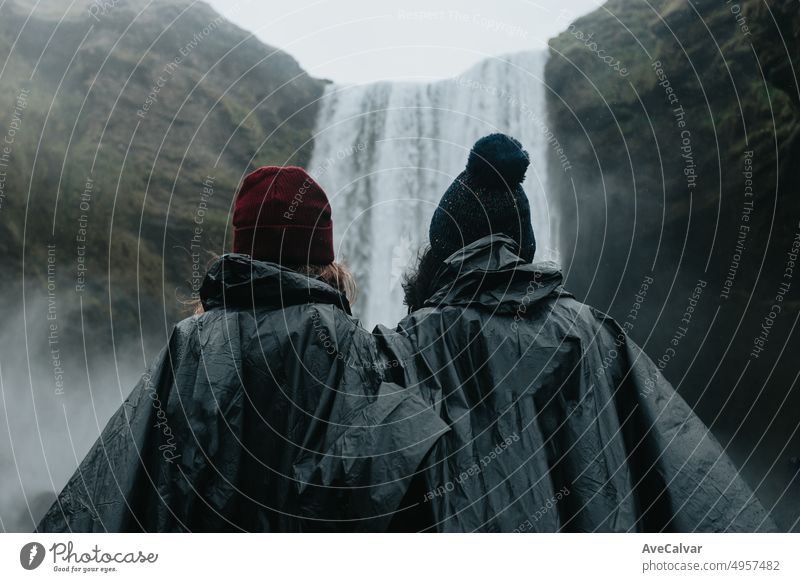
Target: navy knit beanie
486 198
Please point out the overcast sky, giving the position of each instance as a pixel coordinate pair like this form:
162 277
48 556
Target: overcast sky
369 40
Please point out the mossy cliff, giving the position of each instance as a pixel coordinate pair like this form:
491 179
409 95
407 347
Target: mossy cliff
129 124
136 122
679 208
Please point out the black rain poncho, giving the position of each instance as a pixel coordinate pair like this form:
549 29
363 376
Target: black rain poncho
559 422
266 413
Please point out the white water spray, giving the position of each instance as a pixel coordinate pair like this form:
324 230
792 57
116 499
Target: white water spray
386 152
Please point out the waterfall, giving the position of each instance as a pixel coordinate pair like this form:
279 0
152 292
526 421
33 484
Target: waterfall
385 153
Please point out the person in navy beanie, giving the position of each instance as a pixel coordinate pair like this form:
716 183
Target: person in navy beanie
574 428
486 198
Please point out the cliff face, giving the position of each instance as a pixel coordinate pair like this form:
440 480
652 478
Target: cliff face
679 211
134 123
125 128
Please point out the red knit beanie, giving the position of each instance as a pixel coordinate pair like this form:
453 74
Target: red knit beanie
283 216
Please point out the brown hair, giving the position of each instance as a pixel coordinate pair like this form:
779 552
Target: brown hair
337 275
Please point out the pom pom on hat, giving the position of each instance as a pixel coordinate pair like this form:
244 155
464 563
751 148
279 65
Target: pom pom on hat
498 160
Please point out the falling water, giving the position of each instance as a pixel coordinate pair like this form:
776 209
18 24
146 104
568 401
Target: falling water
386 152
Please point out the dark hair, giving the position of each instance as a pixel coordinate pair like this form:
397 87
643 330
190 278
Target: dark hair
418 284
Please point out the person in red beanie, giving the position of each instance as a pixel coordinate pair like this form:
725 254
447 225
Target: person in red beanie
283 216
267 411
